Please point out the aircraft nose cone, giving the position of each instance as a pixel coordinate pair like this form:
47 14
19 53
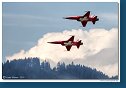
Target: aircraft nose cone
65 17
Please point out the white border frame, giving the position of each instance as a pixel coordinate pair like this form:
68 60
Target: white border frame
41 80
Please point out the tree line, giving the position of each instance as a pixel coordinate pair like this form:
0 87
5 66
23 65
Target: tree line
32 68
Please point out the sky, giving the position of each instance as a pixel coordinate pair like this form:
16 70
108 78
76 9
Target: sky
28 26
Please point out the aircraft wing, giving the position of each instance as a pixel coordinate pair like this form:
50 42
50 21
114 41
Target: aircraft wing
87 14
68 48
84 23
71 39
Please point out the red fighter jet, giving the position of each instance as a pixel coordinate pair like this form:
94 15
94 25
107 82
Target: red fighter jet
68 43
84 19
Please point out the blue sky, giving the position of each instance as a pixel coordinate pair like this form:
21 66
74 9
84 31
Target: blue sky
25 23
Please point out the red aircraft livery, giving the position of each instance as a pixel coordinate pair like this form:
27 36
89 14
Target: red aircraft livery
84 19
68 43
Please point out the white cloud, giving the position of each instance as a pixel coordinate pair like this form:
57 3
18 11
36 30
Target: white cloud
99 49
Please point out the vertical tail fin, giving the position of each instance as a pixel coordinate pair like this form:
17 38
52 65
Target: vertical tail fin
95 19
79 43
